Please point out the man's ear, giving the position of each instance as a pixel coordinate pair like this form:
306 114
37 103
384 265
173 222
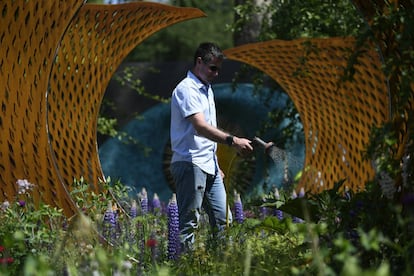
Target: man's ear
199 60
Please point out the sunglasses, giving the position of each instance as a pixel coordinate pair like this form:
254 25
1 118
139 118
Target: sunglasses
213 68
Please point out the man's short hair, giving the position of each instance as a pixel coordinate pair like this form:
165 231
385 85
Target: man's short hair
207 51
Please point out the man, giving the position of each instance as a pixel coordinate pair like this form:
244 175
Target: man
194 138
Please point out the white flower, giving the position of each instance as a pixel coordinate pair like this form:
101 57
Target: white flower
127 265
24 186
5 205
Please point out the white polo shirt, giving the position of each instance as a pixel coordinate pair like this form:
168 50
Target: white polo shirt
189 97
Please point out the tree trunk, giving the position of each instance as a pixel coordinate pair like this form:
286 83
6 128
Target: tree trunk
250 29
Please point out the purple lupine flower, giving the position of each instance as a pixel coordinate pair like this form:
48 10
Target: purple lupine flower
143 197
156 204
278 213
301 193
296 219
264 211
133 210
22 203
116 215
238 209
173 229
109 223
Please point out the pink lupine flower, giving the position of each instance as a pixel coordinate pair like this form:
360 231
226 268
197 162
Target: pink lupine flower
6 260
151 243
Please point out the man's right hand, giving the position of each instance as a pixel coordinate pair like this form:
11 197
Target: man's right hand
243 146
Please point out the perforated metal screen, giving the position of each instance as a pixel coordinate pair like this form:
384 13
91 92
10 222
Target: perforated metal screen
57 59
337 115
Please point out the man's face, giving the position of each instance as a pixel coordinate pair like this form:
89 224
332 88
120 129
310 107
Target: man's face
210 70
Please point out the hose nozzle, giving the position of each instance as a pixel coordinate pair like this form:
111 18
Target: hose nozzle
265 145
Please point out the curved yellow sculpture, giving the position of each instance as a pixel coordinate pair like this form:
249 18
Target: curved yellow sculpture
30 33
337 115
57 61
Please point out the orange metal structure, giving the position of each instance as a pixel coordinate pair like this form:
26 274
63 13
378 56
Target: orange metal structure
337 115
56 61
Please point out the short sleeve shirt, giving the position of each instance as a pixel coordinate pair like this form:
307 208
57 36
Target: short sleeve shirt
191 96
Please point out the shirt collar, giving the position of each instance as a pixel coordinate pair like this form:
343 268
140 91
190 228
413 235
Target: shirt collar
199 83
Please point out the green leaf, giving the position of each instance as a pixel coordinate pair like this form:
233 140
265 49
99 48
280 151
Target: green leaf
301 208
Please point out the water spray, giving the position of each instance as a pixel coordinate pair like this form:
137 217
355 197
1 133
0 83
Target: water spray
290 162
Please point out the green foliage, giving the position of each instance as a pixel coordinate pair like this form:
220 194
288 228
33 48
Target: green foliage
178 42
41 241
128 77
251 248
345 233
108 126
290 19
27 230
349 232
391 145
315 18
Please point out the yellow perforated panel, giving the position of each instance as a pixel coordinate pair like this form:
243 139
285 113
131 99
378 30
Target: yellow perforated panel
97 41
337 116
50 106
30 32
